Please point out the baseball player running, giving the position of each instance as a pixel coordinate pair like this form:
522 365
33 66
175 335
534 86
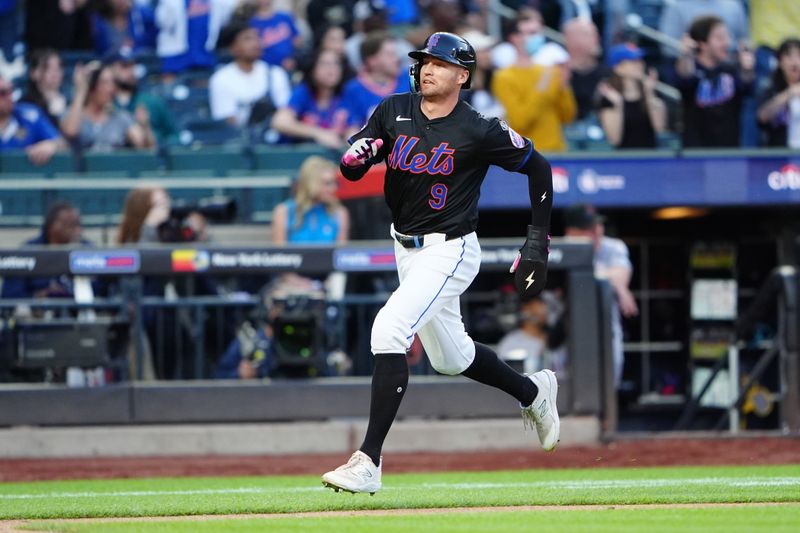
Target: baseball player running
437 151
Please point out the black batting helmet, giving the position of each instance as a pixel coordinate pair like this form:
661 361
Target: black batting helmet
448 47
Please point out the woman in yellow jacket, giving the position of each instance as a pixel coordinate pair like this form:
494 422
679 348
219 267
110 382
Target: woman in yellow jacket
538 99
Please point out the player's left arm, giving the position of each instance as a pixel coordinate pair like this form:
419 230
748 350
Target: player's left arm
530 268
508 149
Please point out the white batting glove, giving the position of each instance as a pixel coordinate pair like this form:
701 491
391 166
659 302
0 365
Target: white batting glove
360 151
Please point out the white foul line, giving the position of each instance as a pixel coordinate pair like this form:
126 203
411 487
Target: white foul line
741 482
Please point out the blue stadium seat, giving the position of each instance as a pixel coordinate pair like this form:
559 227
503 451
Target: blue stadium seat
18 205
95 202
255 204
289 156
17 162
209 132
187 103
131 162
219 160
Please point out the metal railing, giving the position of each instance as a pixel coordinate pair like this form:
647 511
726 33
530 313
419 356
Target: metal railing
780 292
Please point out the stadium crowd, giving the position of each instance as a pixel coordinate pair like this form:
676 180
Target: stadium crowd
107 74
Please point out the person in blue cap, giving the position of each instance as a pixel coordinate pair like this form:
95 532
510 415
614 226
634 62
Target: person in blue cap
629 109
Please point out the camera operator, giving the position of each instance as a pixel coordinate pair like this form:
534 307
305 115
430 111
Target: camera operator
283 339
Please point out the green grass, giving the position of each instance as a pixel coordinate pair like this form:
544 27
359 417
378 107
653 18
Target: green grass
184 496
730 520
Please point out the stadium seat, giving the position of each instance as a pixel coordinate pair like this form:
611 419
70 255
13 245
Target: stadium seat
209 132
288 156
130 161
187 103
95 202
17 162
255 204
219 159
18 205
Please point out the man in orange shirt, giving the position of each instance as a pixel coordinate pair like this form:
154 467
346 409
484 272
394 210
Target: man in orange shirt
537 97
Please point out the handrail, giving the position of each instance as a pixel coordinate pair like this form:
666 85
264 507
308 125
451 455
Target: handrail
633 21
781 281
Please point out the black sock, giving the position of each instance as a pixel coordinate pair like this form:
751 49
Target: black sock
488 369
389 382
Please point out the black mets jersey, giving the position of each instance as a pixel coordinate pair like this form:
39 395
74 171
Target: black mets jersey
434 168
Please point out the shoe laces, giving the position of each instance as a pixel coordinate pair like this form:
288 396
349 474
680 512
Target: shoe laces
355 460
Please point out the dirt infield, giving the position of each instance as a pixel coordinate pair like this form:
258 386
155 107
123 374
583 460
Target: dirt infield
658 451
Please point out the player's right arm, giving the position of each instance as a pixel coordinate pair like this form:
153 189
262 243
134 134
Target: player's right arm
366 146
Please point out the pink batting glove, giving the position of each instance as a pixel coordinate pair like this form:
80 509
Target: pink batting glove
360 151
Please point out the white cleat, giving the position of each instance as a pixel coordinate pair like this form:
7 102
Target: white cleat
359 475
543 412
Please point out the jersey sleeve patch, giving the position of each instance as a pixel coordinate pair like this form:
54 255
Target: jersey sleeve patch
516 139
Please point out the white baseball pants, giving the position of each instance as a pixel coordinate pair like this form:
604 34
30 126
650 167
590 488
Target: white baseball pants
432 278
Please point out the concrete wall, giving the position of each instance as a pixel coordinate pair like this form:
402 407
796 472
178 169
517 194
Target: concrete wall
337 436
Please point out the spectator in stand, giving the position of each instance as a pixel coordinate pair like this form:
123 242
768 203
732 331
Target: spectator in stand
779 109
528 21
612 263
331 38
62 226
247 83
678 16
45 77
188 32
316 111
129 96
630 111
380 76
92 122
538 99
145 209
314 215
712 89
582 42
277 33
25 127
123 24
59 24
